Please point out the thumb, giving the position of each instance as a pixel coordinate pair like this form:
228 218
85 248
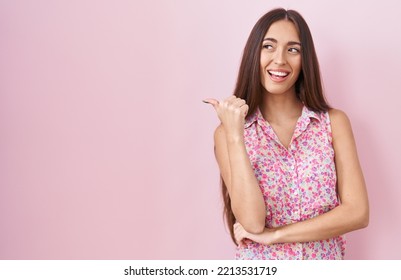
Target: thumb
211 101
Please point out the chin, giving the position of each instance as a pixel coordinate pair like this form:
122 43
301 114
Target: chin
276 91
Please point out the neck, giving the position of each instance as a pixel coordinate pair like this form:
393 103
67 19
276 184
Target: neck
280 107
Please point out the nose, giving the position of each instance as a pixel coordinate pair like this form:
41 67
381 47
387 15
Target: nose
280 57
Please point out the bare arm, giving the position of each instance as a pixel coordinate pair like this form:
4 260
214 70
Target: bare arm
351 214
246 197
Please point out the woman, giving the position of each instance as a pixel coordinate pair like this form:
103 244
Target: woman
291 179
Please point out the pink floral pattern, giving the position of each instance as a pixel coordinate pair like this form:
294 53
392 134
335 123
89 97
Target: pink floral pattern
298 183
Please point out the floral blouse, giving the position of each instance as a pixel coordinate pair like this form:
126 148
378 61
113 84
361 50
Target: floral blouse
297 183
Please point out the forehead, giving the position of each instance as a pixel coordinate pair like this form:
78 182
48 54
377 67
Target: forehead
283 31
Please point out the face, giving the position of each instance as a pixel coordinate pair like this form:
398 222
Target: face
280 58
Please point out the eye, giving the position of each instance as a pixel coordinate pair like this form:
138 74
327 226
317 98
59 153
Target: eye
293 50
268 46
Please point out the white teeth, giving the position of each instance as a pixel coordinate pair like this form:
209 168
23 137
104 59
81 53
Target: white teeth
276 73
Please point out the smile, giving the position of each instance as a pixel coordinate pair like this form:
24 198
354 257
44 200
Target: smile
278 76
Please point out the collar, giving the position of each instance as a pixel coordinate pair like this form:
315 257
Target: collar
307 113
257 116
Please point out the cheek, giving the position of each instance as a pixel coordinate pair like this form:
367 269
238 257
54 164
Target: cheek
265 59
298 65
264 62
262 69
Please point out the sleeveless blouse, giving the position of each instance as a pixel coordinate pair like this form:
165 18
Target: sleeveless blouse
298 183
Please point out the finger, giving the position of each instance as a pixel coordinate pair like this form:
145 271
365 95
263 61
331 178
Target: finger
239 102
239 239
237 225
245 109
230 100
211 101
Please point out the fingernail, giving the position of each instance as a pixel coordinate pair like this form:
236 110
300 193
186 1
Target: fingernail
204 101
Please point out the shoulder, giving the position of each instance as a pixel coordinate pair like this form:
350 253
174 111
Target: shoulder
340 125
338 119
337 115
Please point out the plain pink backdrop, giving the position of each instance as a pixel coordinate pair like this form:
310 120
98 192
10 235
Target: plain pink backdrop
106 150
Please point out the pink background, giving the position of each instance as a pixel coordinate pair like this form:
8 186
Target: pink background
106 149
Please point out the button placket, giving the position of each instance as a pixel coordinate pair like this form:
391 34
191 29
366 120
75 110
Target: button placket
292 163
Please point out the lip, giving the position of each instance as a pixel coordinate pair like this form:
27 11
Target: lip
278 78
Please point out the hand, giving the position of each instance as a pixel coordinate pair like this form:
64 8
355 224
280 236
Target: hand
240 234
231 112
267 237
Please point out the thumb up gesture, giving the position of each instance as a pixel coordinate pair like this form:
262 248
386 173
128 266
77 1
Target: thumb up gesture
231 112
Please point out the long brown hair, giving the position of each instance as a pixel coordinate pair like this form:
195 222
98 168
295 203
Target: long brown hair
308 87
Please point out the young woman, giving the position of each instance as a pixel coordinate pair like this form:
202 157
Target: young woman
291 179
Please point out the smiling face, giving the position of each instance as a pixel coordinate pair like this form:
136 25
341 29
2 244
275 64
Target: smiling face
280 58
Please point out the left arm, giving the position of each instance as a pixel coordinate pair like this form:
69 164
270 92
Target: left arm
351 214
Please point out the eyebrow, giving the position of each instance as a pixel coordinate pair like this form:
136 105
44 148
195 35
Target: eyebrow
288 44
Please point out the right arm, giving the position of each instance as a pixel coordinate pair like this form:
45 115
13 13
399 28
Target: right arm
236 170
